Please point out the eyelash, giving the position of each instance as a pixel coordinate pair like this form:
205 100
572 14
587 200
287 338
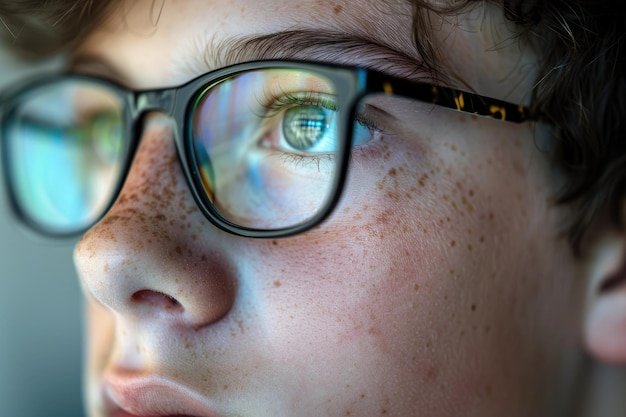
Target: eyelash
287 100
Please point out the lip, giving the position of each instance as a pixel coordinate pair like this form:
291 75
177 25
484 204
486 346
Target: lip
127 394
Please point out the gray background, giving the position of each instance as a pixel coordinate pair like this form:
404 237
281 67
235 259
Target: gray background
40 312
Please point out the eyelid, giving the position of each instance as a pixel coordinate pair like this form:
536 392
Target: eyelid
304 98
375 117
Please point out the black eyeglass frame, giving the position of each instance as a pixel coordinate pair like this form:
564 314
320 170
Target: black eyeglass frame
352 85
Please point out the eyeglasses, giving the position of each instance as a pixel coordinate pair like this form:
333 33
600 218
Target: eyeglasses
264 145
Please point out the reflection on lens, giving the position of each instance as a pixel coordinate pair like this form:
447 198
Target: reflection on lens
265 144
304 126
65 150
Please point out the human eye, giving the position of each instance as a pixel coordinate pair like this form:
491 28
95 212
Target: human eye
303 124
306 125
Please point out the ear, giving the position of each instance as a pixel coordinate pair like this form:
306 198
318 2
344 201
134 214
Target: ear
604 328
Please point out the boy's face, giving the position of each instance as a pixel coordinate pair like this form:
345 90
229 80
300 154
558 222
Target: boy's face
438 286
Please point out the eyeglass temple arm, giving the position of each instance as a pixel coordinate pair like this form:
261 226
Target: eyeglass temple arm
450 98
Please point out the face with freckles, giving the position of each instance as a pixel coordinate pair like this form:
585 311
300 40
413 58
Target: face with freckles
439 285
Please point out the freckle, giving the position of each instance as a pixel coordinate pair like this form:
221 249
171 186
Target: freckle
277 284
393 172
453 147
275 243
453 243
469 248
179 250
471 193
482 239
394 196
225 387
487 329
473 307
106 267
467 204
416 287
491 216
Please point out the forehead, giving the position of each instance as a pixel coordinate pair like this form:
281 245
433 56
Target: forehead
263 15
170 31
164 42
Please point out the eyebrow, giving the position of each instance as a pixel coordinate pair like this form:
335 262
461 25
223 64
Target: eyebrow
308 45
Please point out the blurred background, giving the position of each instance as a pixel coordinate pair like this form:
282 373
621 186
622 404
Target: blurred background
40 309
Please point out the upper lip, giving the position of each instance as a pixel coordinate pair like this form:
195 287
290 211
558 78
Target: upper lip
151 396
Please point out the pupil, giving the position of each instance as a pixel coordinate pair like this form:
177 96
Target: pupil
304 126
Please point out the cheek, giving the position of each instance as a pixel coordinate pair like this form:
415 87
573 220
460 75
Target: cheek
422 273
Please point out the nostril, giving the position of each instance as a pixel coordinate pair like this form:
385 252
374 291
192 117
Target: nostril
157 299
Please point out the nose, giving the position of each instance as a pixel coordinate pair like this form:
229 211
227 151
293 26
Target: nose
154 254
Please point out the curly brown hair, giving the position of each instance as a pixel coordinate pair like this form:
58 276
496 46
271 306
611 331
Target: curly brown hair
580 87
36 28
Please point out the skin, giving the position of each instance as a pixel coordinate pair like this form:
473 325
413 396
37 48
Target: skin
438 287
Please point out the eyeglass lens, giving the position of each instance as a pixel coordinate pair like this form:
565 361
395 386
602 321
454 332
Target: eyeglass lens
65 151
265 145
263 142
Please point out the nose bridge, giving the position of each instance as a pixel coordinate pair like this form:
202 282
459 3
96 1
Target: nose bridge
162 100
154 249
